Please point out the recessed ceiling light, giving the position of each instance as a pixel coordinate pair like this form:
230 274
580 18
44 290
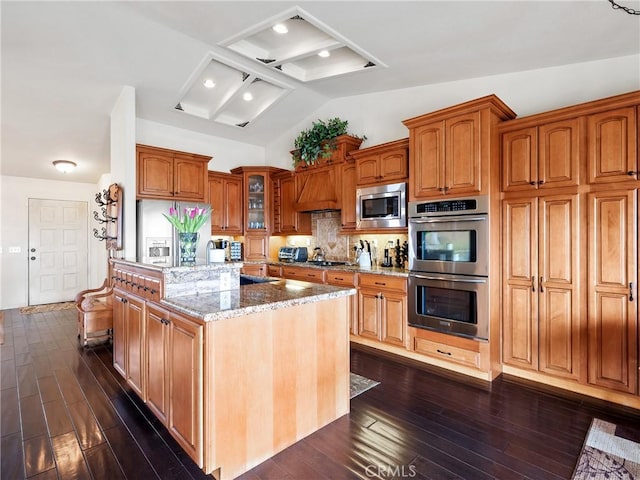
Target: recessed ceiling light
324 53
209 83
247 96
65 166
280 28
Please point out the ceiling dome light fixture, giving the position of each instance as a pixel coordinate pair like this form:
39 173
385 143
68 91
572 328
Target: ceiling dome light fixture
280 28
629 10
208 83
65 166
324 53
247 96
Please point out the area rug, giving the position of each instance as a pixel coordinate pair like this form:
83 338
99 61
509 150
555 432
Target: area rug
609 452
360 384
49 307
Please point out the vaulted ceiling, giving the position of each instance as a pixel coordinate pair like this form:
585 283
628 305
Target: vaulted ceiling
64 63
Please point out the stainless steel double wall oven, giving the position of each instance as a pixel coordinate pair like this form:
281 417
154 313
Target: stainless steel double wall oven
449 267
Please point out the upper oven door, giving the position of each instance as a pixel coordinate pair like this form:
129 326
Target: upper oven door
456 245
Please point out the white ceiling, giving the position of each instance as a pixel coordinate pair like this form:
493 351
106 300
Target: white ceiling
64 63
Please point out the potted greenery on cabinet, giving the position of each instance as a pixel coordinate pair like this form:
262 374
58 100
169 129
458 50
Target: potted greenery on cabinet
324 142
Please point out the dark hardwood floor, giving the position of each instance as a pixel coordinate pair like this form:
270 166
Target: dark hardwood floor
67 414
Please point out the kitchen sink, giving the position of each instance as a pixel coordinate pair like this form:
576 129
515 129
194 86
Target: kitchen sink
250 279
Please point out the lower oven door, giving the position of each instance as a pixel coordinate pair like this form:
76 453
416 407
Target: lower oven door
453 304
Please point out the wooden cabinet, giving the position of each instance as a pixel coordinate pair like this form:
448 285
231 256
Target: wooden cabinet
306 274
613 292
382 308
542 157
450 348
286 219
225 197
129 357
386 163
185 377
612 145
170 175
255 269
542 304
348 196
157 348
451 150
274 271
348 280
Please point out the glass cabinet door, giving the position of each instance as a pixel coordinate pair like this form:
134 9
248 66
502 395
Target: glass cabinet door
256 207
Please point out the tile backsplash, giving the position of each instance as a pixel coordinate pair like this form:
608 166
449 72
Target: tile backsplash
325 228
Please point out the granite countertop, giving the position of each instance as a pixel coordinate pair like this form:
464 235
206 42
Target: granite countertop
171 267
259 297
398 272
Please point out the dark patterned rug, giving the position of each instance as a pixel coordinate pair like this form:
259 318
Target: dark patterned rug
360 384
609 452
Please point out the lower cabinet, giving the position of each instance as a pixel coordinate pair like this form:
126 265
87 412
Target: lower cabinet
347 280
128 348
160 354
255 269
382 308
306 274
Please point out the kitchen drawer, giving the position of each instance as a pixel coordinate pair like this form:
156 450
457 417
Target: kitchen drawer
446 352
315 275
274 271
386 282
341 279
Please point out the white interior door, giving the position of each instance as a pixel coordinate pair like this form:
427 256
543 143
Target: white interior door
58 249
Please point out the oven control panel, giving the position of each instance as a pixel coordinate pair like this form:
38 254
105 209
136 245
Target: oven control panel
455 206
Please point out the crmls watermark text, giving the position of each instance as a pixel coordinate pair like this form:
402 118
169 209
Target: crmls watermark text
391 471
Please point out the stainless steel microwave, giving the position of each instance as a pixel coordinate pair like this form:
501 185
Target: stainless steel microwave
382 206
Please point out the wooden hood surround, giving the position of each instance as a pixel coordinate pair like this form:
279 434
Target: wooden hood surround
317 190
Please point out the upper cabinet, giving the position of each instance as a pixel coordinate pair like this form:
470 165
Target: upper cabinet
544 156
386 163
286 219
450 151
171 175
612 145
225 197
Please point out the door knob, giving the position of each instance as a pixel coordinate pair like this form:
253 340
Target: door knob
33 250
33 258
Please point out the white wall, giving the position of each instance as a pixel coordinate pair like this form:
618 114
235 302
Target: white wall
226 154
379 115
14 225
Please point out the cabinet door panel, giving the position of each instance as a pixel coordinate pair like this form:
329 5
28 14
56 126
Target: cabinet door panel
612 329
393 166
216 200
560 319
368 170
520 160
559 162
135 346
157 344
427 160
348 197
520 257
155 174
462 157
369 311
189 179
119 333
288 216
233 205
612 144
185 385
394 319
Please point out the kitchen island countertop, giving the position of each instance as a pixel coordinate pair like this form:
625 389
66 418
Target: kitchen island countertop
258 297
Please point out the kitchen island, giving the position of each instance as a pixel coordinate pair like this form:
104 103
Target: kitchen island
235 373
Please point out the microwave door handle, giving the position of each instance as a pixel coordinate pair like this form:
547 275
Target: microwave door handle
460 280
449 220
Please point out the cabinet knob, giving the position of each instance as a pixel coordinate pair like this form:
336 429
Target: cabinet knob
532 182
541 182
631 173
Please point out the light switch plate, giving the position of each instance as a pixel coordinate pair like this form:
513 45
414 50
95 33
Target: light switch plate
15 249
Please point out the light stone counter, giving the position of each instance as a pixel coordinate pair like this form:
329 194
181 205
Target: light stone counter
393 271
259 297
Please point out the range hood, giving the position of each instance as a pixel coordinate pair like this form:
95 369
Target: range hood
318 190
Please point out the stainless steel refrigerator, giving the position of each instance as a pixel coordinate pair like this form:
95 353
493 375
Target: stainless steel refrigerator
158 240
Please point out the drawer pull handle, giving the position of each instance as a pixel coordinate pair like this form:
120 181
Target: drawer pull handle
380 283
631 291
443 352
541 287
338 278
533 283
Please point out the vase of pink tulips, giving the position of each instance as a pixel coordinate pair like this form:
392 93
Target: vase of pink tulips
187 223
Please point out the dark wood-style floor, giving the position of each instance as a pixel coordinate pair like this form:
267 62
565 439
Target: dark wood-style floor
67 414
